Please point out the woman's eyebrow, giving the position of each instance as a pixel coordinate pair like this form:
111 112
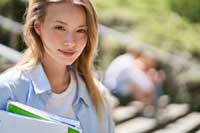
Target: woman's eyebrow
64 23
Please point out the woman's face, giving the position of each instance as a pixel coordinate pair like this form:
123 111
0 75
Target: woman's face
63 32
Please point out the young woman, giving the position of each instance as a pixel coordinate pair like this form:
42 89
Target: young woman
55 72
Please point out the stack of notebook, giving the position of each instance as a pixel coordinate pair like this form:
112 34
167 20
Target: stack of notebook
20 118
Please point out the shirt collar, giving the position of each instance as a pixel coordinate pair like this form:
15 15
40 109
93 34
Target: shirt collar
41 83
39 79
82 90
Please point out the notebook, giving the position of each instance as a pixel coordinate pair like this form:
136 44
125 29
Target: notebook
13 123
20 118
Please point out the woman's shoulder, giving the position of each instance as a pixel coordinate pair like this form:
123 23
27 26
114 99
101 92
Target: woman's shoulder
13 80
12 75
13 84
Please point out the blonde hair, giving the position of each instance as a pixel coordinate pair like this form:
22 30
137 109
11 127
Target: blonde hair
84 64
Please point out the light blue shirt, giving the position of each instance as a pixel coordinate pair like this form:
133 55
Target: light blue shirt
31 87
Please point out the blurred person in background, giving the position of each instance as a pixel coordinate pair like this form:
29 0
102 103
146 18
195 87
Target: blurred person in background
133 76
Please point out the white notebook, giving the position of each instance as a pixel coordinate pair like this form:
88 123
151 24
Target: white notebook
13 123
25 110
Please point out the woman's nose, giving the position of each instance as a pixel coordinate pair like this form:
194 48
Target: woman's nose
67 43
69 40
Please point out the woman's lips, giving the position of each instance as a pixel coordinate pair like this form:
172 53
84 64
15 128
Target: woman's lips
66 53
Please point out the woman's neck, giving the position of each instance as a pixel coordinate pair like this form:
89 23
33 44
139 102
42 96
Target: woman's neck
57 74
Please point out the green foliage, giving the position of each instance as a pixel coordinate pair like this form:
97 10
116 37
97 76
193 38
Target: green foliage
187 8
13 9
108 50
4 36
152 22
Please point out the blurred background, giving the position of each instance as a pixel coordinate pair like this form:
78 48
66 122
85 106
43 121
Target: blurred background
167 29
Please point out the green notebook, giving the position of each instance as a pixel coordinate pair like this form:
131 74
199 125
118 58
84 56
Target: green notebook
22 109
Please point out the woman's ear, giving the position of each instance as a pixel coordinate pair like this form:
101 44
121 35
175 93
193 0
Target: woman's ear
37 27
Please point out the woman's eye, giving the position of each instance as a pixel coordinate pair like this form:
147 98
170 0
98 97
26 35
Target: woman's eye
82 31
59 28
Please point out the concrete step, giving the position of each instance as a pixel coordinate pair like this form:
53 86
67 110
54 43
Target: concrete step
172 112
124 113
198 131
136 125
186 124
140 124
